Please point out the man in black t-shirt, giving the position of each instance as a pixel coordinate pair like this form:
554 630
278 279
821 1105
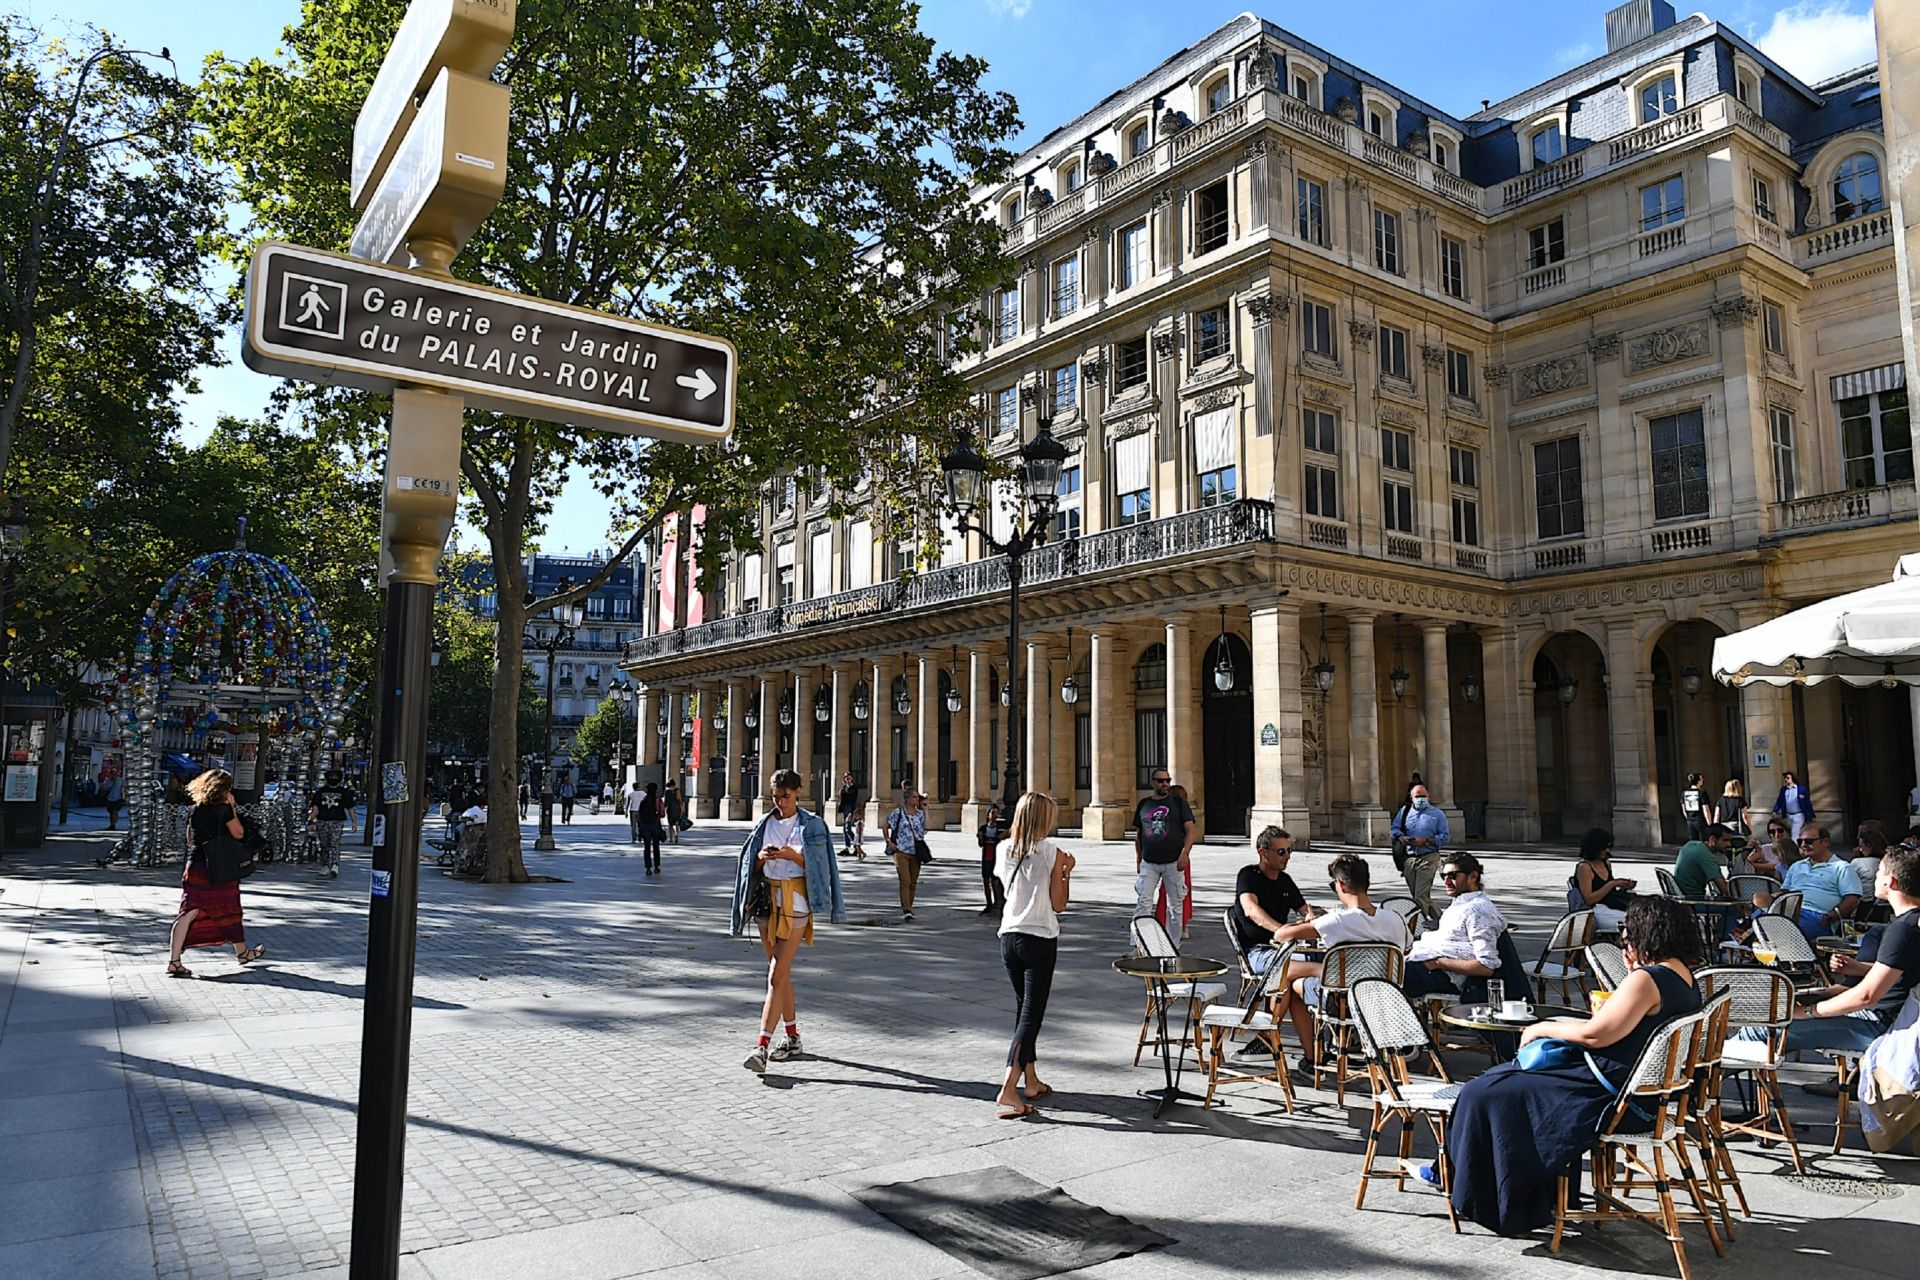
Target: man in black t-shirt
1854 1017
1265 897
1162 844
331 809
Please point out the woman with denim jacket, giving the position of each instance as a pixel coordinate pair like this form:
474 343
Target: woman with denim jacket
792 850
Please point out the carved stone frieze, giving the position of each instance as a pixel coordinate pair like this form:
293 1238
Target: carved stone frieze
1361 333
1257 148
1717 586
1553 411
1549 377
1218 398
1784 398
1731 313
1497 375
1166 342
1604 346
1432 356
1163 197
1261 307
1094 367
1668 346
1133 425
1669 384
1319 393
1466 433
1399 417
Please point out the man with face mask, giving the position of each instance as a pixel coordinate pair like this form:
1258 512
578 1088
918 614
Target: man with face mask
1422 829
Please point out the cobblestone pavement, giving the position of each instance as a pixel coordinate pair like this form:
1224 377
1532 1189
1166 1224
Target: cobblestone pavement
578 1108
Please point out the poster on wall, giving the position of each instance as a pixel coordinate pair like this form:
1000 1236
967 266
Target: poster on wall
246 761
23 782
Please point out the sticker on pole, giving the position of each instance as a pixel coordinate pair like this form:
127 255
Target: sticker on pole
382 883
379 830
393 783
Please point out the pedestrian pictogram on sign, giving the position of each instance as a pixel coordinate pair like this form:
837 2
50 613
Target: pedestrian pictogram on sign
310 305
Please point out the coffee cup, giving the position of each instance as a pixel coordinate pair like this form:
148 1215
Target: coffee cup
1514 1009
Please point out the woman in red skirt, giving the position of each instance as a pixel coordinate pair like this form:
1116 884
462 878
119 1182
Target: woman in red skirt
210 913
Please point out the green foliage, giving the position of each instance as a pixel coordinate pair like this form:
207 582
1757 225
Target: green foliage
605 733
728 166
460 706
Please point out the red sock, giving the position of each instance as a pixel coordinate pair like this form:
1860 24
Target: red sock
765 1038
793 1028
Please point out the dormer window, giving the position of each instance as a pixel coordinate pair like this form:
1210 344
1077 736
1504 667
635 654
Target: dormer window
1659 97
1012 211
1443 154
1376 122
1072 175
1218 95
1856 187
1139 140
1547 144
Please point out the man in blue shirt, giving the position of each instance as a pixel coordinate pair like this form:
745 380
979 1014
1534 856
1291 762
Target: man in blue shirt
1829 888
1422 829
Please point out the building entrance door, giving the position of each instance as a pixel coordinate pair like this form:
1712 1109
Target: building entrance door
1227 741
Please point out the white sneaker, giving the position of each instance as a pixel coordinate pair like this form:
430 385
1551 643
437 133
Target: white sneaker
788 1049
757 1060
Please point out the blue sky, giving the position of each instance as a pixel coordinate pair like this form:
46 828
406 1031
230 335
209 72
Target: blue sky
1060 57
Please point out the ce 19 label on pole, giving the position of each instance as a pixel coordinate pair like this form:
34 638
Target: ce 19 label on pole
321 317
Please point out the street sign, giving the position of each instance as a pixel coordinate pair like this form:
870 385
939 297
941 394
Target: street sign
447 175
465 35
321 317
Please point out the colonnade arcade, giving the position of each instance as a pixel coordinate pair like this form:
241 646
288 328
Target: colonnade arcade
1285 694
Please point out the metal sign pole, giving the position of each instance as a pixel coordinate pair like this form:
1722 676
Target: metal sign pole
423 448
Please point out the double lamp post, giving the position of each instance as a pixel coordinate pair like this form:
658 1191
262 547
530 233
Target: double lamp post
550 636
970 491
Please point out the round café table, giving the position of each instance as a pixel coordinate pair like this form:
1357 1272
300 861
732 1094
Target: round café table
1833 945
1159 973
1480 1017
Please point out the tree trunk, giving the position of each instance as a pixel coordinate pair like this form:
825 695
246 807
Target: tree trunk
505 865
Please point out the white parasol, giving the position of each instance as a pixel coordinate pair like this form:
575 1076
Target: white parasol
1861 638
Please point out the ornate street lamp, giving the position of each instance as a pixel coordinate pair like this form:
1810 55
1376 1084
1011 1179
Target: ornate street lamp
823 704
1470 688
786 706
902 700
1569 690
1398 677
550 636
953 683
966 476
1323 670
751 716
1070 687
861 703
1690 680
1224 676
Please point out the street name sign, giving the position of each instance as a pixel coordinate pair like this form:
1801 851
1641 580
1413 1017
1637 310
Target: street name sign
322 317
447 175
465 35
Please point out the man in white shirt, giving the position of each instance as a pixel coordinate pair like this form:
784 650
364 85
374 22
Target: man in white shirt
1356 919
1467 939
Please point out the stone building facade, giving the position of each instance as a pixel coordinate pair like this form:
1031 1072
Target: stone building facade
1496 421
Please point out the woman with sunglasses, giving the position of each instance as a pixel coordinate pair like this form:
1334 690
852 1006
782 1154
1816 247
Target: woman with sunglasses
786 873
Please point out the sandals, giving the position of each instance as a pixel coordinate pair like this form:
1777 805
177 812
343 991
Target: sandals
177 970
1043 1091
252 953
1020 1112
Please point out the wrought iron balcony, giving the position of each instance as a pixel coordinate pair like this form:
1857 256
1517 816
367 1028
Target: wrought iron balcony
1210 529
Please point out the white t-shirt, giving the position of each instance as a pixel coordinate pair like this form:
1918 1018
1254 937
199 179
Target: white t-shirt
778 834
1351 924
1029 906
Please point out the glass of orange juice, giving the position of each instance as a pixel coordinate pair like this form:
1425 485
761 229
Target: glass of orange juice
1597 1000
1765 955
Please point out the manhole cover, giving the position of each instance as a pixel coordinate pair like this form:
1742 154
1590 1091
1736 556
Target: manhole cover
1007 1225
1849 1188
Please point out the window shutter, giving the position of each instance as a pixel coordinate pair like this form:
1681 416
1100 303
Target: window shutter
1132 464
1213 440
860 554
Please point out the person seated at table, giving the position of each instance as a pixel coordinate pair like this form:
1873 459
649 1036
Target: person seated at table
1593 886
1356 919
1870 845
1829 890
1852 1017
1772 856
1701 863
1514 1129
1264 896
1467 939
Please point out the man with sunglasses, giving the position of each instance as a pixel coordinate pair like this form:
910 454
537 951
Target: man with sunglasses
1162 845
1264 897
1829 888
1467 939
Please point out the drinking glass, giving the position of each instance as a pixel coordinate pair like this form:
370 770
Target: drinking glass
1765 955
1496 994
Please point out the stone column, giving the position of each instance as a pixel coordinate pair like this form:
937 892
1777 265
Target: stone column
845 676
926 764
696 798
881 800
738 802
1436 692
769 713
1110 804
648 748
1060 744
1368 822
978 770
1183 718
1513 778
962 738
1036 756
803 685
1279 794
1636 811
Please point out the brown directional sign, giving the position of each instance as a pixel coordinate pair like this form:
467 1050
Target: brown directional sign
321 317
447 175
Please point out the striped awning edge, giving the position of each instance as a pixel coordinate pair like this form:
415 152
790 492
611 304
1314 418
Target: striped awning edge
1888 377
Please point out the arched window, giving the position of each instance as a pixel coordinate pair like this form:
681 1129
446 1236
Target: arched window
1137 140
1071 176
1219 94
1150 673
1856 187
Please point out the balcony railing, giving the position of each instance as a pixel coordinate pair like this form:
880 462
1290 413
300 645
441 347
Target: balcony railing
1565 555
1692 537
1210 529
1844 239
1208 131
1851 509
1534 181
1545 278
1649 137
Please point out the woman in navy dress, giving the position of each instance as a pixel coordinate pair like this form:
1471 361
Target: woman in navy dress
1513 1131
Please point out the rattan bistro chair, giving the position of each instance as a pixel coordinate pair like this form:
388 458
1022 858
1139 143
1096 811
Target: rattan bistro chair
1224 1025
1745 886
1571 936
1760 998
1661 1084
1792 953
1390 1033
1709 1117
1248 978
1404 907
1668 885
1608 964
1343 965
1150 939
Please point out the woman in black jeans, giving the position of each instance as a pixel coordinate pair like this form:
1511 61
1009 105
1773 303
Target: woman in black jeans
1035 873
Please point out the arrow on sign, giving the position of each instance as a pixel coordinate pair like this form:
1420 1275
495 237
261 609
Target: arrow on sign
700 382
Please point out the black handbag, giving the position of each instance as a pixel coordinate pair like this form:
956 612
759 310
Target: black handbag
759 896
921 853
227 859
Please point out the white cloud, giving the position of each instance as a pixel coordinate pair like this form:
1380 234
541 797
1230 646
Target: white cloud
1015 9
1816 39
1575 54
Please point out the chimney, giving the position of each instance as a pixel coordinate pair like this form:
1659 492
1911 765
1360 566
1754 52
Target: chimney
1635 21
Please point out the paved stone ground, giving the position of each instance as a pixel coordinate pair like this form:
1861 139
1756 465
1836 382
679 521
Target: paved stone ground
578 1108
